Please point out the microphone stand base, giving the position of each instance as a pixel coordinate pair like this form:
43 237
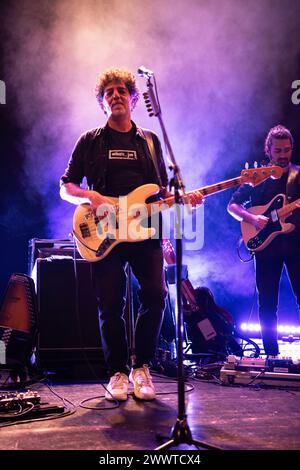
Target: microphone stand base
181 434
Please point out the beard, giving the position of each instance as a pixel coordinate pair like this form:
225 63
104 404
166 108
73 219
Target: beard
282 162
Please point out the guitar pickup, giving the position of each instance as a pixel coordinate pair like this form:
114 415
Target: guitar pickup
85 231
103 247
274 216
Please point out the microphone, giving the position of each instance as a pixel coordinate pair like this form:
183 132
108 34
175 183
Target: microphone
143 72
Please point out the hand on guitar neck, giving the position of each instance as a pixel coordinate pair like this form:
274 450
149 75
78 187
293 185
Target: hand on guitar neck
194 198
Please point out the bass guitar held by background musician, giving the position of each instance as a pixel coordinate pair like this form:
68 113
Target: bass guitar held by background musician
276 211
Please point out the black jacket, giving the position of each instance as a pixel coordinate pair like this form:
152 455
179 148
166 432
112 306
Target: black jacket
89 159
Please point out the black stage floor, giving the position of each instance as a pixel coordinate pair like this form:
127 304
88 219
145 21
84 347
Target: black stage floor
228 417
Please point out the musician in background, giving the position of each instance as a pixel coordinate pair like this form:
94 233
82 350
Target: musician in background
284 250
116 159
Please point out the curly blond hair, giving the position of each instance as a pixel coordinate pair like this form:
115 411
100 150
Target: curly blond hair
118 75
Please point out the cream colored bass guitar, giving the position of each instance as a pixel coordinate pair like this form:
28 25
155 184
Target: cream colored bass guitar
121 219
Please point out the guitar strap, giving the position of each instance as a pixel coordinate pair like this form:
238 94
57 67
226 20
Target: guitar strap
150 144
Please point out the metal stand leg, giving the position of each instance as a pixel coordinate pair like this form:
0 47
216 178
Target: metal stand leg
181 433
130 317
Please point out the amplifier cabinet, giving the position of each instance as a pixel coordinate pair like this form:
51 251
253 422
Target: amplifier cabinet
68 326
44 248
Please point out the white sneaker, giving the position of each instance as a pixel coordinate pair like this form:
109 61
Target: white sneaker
142 383
117 389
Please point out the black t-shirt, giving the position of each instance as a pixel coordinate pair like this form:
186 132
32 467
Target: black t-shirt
124 168
262 194
90 159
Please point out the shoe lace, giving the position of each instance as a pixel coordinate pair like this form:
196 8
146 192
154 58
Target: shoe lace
117 379
143 377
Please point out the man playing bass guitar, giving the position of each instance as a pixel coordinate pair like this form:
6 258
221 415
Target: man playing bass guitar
270 213
117 159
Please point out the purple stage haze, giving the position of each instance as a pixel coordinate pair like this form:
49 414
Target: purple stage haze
224 72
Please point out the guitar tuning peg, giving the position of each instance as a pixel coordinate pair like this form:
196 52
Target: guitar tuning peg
255 164
246 166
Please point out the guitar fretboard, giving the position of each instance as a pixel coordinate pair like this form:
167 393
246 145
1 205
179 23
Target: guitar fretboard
206 191
251 176
214 188
288 208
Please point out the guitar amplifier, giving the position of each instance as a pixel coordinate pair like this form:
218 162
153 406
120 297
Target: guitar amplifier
44 248
69 334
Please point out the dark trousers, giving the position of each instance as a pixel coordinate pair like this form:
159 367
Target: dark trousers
282 251
146 261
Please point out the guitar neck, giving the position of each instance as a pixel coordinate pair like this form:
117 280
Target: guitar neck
216 188
205 190
188 292
288 208
187 288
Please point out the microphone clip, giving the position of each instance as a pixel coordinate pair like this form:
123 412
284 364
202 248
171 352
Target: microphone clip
144 72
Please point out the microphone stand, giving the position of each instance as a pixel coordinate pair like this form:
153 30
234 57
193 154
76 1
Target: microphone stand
180 433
